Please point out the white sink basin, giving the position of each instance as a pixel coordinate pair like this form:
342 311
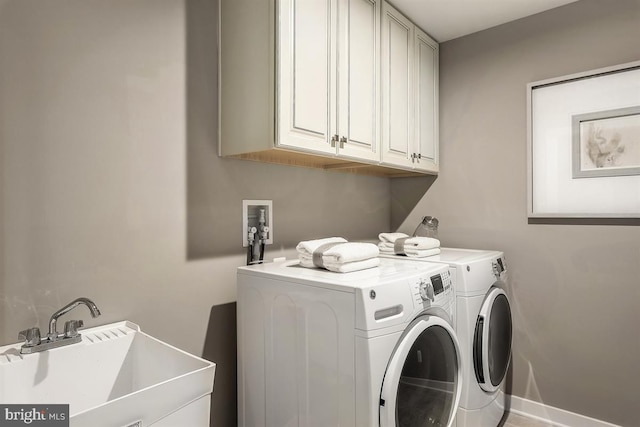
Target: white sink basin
115 377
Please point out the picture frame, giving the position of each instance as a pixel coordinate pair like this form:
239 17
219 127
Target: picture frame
583 145
606 143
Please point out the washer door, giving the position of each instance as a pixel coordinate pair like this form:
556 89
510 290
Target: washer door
492 340
421 386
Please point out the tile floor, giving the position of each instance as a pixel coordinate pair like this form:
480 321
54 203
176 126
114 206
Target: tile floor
515 420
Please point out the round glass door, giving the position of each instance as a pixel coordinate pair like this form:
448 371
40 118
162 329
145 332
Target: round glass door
492 340
421 386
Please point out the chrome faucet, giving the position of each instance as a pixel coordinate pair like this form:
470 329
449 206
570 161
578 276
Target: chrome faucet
93 308
34 344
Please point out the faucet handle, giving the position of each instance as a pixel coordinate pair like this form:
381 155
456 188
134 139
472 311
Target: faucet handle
71 328
30 336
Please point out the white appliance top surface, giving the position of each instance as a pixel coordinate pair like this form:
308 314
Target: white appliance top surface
389 270
455 256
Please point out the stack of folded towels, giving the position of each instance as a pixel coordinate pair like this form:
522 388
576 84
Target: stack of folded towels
402 244
337 254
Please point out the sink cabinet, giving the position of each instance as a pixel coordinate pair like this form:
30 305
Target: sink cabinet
300 83
409 94
116 375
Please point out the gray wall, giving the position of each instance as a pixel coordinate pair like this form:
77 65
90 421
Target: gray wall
575 288
110 186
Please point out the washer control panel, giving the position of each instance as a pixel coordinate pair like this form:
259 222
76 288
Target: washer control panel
433 290
413 288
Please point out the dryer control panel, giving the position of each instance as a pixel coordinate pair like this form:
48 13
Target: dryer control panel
433 290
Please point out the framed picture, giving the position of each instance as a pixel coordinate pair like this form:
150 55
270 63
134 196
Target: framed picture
606 143
583 144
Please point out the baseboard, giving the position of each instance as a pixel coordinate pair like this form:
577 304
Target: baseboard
558 417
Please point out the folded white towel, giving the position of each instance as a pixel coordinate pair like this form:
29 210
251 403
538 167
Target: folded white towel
353 266
421 243
340 253
349 252
391 237
412 253
421 253
383 248
307 247
389 240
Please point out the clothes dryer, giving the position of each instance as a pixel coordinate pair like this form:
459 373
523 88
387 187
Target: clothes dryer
369 348
484 327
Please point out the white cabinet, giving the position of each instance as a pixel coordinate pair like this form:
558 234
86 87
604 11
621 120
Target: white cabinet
301 87
426 102
409 94
307 75
397 95
328 77
359 79
300 83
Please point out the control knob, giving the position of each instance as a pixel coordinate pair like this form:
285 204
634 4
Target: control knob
497 269
426 290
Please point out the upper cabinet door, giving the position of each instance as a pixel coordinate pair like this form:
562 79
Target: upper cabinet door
358 74
397 91
307 70
426 102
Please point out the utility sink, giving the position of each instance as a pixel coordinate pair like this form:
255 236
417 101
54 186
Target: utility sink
117 376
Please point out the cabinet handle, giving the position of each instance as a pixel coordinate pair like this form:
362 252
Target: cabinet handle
419 155
342 141
413 157
334 139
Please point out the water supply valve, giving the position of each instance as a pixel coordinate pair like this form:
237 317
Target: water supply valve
257 214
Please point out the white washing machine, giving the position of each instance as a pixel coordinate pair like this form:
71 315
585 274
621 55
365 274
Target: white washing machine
484 327
369 348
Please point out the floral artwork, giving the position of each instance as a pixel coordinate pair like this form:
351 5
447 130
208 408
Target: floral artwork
607 143
583 147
